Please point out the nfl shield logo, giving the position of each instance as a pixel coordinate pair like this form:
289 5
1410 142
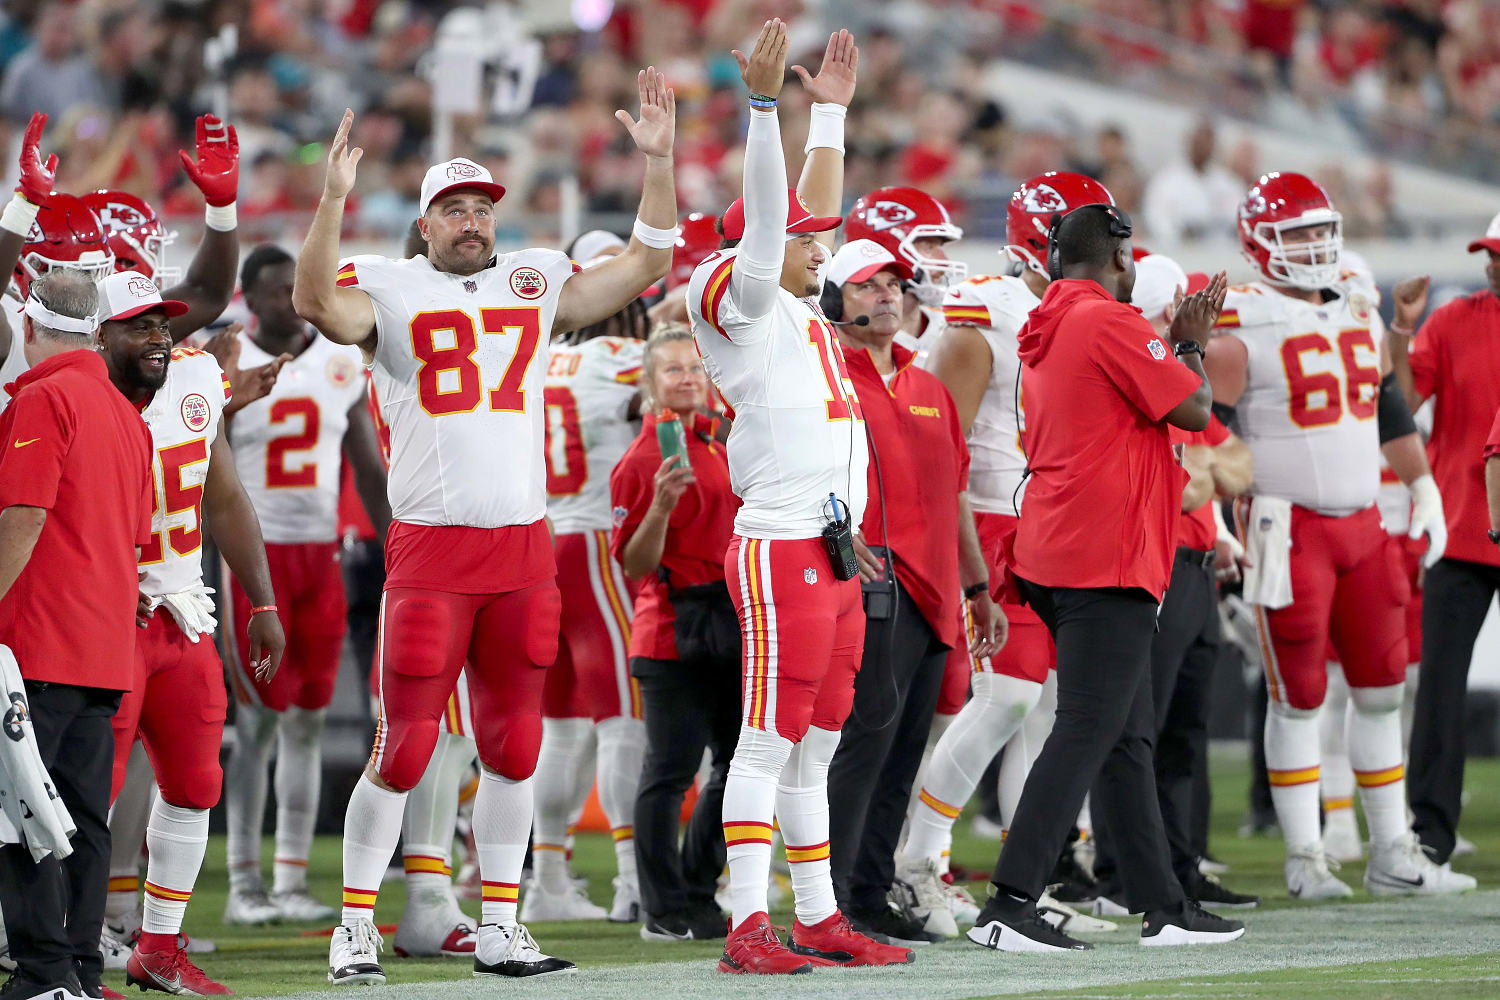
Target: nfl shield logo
1158 351
471 286
810 575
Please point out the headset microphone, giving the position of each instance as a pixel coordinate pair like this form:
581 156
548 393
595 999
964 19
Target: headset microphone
860 320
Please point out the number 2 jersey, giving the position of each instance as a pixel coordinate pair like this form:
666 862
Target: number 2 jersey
589 390
1308 412
184 416
459 366
288 446
798 432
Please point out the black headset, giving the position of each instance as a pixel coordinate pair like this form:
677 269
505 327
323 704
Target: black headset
831 300
1119 227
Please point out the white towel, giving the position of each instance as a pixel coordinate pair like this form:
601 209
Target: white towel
31 813
1268 550
193 609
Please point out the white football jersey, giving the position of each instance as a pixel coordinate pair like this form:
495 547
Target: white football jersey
184 417
459 366
932 328
798 432
997 306
14 362
288 446
589 389
1309 408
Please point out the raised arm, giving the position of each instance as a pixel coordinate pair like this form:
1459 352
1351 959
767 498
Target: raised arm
822 183
37 178
343 315
1194 322
606 288
1410 301
757 269
208 284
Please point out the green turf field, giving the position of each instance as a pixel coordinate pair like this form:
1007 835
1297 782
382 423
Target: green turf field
1362 950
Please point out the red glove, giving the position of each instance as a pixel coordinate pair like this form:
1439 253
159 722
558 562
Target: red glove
37 178
217 172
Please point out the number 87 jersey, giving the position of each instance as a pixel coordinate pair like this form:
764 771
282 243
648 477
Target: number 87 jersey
459 367
1308 411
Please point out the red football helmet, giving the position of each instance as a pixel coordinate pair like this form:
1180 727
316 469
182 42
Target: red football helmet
1029 214
896 217
68 234
1277 204
696 239
136 235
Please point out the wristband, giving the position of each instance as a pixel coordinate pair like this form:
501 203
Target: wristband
263 608
825 129
1189 347
762 102
973 590
220 217
1399 330
656 239
19 215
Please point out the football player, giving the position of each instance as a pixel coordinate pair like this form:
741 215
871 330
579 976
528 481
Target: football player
1298 358
797 457
456 341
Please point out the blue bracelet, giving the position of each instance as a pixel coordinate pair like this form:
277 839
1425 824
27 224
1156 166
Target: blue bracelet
762 102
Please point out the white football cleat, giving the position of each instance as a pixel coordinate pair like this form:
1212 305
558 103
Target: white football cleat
984 828
250 908
113 949
354 955
928 902
1341 836
512 951
541 906
961 903
1068 920
1402 868
299 906
626 908
1309 875
435 928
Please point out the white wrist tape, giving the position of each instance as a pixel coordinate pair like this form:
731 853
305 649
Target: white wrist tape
57 321
18 216
220 217
825 129
656 239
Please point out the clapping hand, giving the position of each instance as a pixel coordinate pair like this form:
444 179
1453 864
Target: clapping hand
1195 315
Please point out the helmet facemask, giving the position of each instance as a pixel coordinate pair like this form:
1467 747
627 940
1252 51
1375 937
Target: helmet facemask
1319 263
934 275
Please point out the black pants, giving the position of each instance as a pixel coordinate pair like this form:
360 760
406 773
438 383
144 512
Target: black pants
364 580
1104 728
1457 597
55 910
688 707
1183 654
869 782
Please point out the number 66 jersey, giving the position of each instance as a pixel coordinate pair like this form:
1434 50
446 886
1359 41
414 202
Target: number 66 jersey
1308 410
459 366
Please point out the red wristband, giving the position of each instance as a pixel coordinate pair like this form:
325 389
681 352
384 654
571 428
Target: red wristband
264 607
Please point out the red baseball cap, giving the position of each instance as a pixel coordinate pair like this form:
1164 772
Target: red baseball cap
1491 240
799 218
129 293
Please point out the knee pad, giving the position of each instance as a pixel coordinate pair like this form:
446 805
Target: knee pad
1282 710
1003 698
1377 700
760 755
402 749
807 764
509 744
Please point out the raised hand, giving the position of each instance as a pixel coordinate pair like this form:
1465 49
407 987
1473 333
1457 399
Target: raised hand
37 175
764 70
834 83
1197 313
342 160
654 133
1410 298
217 172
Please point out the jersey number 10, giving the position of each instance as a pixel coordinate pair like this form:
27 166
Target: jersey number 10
464 390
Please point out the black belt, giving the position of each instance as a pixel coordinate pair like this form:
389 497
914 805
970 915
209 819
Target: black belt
1195 557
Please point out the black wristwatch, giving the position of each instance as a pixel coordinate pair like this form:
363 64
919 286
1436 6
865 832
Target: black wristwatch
1188 347
1494 537
973 590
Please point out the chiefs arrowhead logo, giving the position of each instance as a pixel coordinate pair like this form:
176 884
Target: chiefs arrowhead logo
1042 199
117 216
459 171
885 215
35 234
141 287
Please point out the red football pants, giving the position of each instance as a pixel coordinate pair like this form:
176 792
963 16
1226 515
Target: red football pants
1029 651
591 677
310 601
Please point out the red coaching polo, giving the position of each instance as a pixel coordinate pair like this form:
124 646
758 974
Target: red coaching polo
74 446
919 461
1196 528
698 531
1455 359
1106 489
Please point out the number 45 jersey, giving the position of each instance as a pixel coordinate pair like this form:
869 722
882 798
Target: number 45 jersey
459 367
1308 410
589 389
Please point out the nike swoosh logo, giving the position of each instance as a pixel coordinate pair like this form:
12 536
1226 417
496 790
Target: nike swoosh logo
1415 883
22 444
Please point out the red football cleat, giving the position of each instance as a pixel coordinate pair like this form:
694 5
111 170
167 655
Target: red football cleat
170 971
753 947
834 942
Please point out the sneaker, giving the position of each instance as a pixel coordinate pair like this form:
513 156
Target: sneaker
510 950
892 925
708 922
353 955
299 906
834 942
961 902
928 901
753 948
1341 836
1188 923
1402 868
1207 889
250 908
18 988
435 930
541 905
115 950
626 908
1065 918
985 828
1309 875
1210 865
1072 881
671 927
1008 924
170 971
1110 903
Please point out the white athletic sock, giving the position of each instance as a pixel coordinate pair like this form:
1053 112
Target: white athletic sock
622 748
1292 744
176 840
564 744
1038 725
1336 781
127 835
749 808
299 777
985 724
583 784
802 813
1375 752
1015 765
429 819
935 730
372 822
502 823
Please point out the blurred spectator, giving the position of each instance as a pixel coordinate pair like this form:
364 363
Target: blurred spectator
53 74
1194 197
